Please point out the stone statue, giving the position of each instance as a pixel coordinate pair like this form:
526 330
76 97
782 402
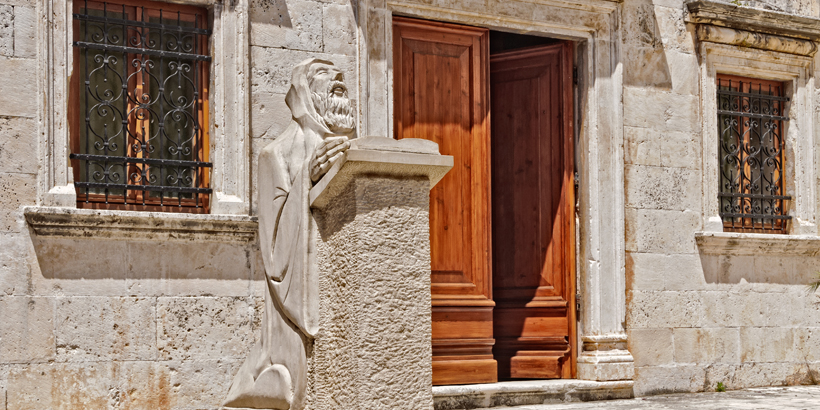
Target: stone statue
274 374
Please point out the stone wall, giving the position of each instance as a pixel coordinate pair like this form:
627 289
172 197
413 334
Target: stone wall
133 323
696 318
26 330
130 323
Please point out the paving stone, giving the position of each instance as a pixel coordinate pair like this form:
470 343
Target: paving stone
765 398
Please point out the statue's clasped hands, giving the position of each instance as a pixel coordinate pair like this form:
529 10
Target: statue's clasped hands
327 153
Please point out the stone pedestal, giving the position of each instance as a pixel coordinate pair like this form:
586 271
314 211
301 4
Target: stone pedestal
373 348
605 358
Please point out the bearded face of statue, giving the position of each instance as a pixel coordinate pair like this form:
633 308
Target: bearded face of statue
330 98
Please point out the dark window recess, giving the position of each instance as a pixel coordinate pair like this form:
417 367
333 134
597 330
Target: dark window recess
139 130
750 126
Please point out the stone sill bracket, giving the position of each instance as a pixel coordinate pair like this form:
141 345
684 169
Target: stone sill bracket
131 225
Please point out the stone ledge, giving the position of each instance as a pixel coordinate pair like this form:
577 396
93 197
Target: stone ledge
753 19
131 225
529 392
731 243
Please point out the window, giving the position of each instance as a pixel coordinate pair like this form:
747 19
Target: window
751 151
138 108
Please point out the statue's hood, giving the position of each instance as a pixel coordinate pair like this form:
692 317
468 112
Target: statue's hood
300 99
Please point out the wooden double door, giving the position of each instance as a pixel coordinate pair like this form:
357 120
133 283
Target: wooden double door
502 220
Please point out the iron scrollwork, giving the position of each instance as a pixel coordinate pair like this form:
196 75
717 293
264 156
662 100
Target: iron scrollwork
141 134
750 123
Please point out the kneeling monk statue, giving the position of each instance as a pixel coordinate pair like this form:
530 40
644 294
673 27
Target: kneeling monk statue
274 376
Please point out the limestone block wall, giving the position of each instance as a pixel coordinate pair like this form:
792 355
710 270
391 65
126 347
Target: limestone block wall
694 318
22 313
283 34
133 323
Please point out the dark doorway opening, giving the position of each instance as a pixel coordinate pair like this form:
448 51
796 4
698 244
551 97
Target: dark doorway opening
532 195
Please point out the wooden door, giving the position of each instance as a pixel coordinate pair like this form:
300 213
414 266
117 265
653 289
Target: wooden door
533 212
440 93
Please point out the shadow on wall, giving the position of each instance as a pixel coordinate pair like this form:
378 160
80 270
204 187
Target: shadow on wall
777 269
82 258
271 12
644 56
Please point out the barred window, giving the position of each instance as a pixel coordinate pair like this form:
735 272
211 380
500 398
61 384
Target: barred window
750 125
139 106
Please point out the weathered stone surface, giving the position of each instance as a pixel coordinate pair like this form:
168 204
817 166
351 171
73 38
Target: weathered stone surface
339 29
646 67
204 327
706 345
649 187
292 24
105 329
648 309
766 344
188 269
18 87
91 385
27 329
200 384
63 267
25 32
6 30
729 308
18 137
640 24
660 110
16 259
18 190
661 231
668 379
674 32
644 271
373 349
271 68
651 347
269 116
651 271
642 146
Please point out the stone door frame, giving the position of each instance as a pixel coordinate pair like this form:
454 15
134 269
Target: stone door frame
595 29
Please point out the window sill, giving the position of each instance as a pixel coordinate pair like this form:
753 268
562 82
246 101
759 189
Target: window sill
731 243
131 225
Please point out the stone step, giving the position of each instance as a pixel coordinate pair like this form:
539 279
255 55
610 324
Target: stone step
527 392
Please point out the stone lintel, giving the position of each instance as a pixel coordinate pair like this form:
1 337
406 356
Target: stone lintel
751 244
377 162
753 19
132 225
743 38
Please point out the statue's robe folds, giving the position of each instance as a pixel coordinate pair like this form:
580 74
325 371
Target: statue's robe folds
274 374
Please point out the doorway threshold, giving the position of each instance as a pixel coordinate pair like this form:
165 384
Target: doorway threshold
528 392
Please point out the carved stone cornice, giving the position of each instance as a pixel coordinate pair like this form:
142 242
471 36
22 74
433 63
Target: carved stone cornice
131 225
753 19
760 41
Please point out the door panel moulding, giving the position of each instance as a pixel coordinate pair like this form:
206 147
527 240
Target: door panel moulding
599 133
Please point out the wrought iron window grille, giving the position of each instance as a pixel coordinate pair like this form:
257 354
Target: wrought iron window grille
750 126
142 99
